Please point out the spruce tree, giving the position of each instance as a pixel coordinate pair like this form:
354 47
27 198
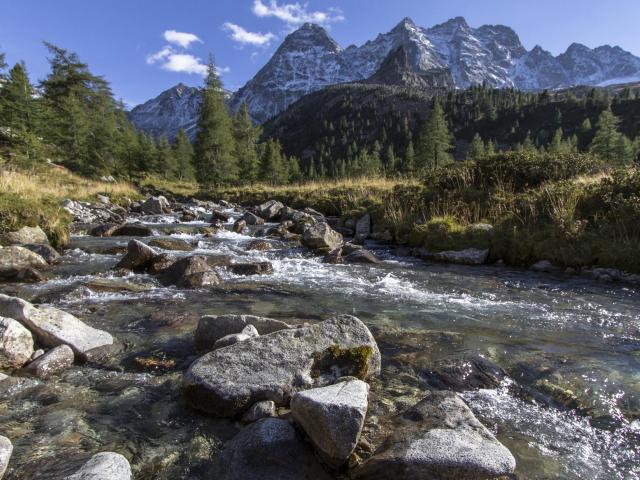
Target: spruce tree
476 148
183 152
166 165
409 166
435 141
272 166
246 138
214 160
608 143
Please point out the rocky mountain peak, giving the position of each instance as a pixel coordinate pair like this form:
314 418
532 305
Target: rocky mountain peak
308 35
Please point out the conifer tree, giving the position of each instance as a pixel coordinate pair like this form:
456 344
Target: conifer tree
214 160
293 166
246 138
435 141
183 152
476 148
166 165
272 166
608 143
409 160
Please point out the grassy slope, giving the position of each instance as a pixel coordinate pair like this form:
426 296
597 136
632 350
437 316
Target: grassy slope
34 198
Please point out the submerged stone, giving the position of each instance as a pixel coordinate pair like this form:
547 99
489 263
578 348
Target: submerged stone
6 449
104 466
55 361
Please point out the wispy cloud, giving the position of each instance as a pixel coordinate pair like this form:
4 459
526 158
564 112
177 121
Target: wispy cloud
181 39
174 58
244 37
296 13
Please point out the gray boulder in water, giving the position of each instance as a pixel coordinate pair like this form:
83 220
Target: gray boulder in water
212 328
52 363
25 235
226 382
53 327
321 237
155 206
16 344
470 256
333 418
6 449
138 256
439 438
269 210
14 259
268 449
104 466
190 272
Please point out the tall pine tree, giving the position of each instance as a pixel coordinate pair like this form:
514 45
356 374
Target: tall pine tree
183 152
435 141
214 159
246 138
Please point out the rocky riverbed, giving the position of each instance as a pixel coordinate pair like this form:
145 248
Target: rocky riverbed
203 340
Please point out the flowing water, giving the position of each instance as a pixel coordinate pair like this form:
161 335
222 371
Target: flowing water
435 325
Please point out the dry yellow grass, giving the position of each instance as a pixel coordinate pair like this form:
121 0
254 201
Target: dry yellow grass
59 183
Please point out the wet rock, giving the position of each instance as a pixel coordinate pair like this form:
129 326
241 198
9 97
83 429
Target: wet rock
104 466
332 417
132 230
439 438
6 449
334 257
321 237
218 215
362 256
53 327
228 381
36 354
16 344
247 332
252 219
269 210
260 410
544 266
268 449
155 206
349 248
115 285
138 256
239 226
190 272
319 217
46 251
470 256
296 216
23 236
260 245
362 229
160 263
104 230
15 258
254 268
212 328
29 275
174 244
54 362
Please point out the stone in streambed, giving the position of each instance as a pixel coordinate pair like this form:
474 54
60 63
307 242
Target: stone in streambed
228 381
14 259
362 256
213 328
260 410
16 344
138 256
45 250
155 206
239 226
470 256
53 327
252 219
104 230
439 438
23 236
268 449
253 268
269 210
260 245
104 466
321 237
247 332
132 230
160 263
6 449
333 418
55 361
190 272
175 244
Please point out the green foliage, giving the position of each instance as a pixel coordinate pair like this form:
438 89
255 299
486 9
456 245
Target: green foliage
476 148
435 141
246 138
214 159
609 143
273 166
183 153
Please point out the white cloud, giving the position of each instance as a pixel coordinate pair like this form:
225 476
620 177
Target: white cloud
181 38
160 55
245 37
184 63
295 13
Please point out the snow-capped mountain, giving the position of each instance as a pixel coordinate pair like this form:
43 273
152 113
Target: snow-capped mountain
170 111
452 54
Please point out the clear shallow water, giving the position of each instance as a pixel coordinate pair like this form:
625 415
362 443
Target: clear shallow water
430 320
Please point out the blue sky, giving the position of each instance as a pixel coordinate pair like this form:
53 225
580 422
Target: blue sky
145 46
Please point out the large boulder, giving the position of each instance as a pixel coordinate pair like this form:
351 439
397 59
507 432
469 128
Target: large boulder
104 466
190 272
439 438
23 236
55 361
470 256
155 206
226 382
251 268
16 344
175 244
53 327
332 417
6 449
160 263
247 332
212 328
268 449
104 230
269 210
138 256
45 250
362 256
252 219
15 259
321 237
